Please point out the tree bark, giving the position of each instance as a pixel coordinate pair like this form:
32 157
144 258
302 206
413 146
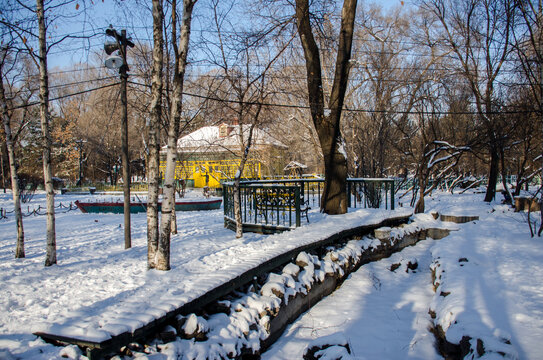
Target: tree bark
168 202
237 178
492 174
334 198
51 249
419 207
153 160
507 193
20 247
173 229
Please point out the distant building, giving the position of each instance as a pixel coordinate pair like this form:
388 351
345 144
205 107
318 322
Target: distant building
211 154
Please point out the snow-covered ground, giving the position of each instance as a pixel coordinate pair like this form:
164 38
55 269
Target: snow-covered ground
490 289
496 295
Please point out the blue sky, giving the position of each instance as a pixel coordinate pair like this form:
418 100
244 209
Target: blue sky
95 17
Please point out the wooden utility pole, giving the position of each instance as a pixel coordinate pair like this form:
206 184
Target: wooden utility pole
124 145
122 43
540 60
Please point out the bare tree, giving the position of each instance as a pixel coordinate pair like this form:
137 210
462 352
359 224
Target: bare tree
327 123
6 120
153 174
51 253
244 61
425 143
528 46
479 34
181 47
24 31
526 144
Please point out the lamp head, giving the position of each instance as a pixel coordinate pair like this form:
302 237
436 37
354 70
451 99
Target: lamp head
114 62
110 46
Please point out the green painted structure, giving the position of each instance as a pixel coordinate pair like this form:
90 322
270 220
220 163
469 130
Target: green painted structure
138 207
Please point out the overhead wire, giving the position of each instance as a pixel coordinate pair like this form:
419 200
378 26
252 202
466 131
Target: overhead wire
69 84
306 107
63 96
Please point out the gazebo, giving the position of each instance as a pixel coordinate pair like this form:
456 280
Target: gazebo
295 169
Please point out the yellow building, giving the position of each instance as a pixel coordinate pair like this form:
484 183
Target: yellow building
211 155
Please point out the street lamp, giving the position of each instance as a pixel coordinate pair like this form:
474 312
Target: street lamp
119 44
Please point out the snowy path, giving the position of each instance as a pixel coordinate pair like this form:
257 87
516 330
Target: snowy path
382 314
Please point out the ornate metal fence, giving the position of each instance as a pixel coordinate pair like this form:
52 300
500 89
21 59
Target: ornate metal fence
265 208
270 206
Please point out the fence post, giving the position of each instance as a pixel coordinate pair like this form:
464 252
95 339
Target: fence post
392 195
297 204
349 193
225 201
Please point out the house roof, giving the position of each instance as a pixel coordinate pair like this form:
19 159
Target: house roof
294 165
208 139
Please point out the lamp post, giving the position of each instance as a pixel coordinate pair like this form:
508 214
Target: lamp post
119 62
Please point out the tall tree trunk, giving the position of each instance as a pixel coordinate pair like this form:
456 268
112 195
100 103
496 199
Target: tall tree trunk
3 166
334 198
51 250
237 207
492 174
419 207
153 160
507 194
173 229
20 247
168 202
237 178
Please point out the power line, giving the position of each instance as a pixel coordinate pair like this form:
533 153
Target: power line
305 107
71 71
64 96
362 79
70 84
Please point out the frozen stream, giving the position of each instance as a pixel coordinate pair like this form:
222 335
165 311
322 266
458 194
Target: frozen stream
381 314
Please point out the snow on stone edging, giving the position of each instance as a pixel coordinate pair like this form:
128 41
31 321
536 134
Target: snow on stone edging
246 322
141 309
254 319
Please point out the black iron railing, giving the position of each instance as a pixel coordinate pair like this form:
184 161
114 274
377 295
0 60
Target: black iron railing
370 193
264 208
271 206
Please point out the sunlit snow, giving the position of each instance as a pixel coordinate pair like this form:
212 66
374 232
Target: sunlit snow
98 288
